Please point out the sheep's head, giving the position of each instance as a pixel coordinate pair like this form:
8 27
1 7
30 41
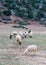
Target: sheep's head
14 34
29 31
10 37
30 36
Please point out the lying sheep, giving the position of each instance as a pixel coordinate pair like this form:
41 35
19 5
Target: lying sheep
31 49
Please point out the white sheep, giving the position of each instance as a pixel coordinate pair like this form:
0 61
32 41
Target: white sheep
18 39
25 33
13 33
31 49
30 33
20 33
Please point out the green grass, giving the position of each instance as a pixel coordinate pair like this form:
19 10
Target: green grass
1 64
39 40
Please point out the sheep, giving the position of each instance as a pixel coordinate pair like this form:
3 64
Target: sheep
25 33
20 33
30 33
18 39
12 34
32 49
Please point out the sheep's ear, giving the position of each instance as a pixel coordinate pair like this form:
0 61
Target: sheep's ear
29 31
10 37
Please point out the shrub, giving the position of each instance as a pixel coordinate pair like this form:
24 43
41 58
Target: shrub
44 8
7 12
42 22
0 13
21 12
30 13
45 24
40 14
0 20
6 5
21 22
7 19
18 26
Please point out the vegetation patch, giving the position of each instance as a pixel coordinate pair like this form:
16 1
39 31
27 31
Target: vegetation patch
0 20
7 12
7 19
18 26
21 22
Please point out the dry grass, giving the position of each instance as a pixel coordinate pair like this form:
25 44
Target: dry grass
10 55
9 50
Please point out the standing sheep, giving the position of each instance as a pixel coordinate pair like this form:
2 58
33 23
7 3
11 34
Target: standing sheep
31 49
18 39
25 33
12 34
30 33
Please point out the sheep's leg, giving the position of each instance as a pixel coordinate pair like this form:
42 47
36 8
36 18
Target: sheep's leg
35 52
10 37
19 43
26 52
30 36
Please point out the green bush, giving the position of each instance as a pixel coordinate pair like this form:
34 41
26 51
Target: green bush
21 22
6 5
21 12
0 13
18 26
30 13
7 12
42 22
44 8
29 5
45 24
7 19
0 20
40 14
